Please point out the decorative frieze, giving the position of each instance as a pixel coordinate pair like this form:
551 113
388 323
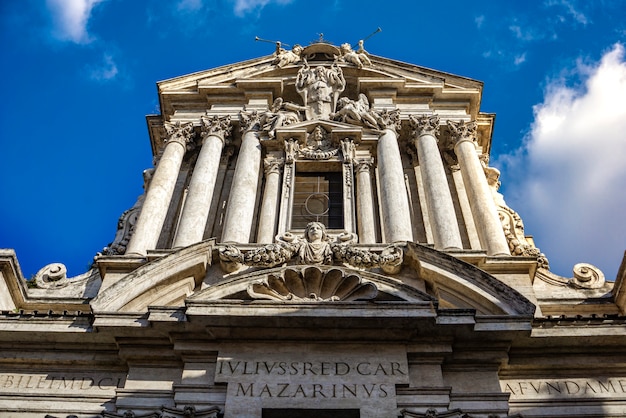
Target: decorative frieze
315 247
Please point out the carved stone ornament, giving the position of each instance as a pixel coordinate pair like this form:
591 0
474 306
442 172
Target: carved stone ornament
249 121
182 133
320 88
389 119
272 165
356 112
285 57
216 125
291 148
318 146
52 276
281 113
312 284
162 412
424 125
587 276
463 131
126 224
358 58
315 247
512 223
348 150
450 413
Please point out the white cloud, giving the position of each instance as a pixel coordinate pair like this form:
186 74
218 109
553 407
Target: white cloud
107 71
479 20
519 59
71 18
189 5
571 10
243 7
569 180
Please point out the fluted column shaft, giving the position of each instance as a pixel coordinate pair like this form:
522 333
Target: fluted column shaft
159 194
483 208
394 199
365 203
269 206
240 209
198 203
441 212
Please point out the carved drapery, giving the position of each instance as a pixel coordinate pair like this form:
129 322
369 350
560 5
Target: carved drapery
320 88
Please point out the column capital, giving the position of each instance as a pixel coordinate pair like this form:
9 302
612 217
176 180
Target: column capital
364 165
424 125
181 133
389 119
216 126
249 121
272 165
463 131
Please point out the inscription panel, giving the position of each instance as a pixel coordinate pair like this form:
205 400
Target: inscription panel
55 383
596 387
312 376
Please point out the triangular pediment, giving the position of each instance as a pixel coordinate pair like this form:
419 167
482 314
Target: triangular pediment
256 83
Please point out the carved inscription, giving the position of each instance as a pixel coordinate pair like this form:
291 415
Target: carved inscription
566 388
312 379
58 383
304 376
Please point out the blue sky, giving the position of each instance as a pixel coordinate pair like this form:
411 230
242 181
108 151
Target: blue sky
78 76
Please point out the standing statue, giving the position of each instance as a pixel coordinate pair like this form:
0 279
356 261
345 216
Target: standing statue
320 88
281 113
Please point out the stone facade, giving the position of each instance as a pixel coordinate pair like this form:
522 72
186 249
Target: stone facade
321 236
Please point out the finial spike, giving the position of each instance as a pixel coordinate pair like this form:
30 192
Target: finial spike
355 46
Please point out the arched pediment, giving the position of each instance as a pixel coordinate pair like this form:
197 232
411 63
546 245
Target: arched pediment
459 284
161 282
311 283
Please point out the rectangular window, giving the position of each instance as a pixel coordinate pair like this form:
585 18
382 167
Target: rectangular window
318 197
310 413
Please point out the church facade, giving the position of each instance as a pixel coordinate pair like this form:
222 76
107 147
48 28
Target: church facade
321 236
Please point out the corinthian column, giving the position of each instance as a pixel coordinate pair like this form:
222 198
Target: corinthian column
269 207
198 202
394 200
483 208
441 213
240 209
159 194
365 202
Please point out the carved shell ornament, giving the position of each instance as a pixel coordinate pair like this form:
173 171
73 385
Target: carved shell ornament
312 284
